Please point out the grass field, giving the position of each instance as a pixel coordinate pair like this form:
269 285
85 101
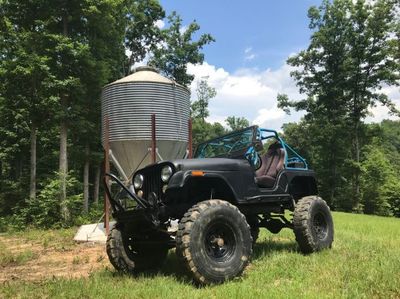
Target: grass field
363 263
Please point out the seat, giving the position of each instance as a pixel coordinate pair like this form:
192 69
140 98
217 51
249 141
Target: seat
271 163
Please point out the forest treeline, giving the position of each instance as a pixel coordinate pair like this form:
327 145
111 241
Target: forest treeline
354 53
55 58
57 55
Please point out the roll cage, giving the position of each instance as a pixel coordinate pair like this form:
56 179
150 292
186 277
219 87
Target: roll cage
248 143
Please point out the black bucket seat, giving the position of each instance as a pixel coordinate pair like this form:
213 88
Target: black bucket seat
271 163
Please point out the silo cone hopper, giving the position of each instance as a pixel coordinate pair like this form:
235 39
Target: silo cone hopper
129 104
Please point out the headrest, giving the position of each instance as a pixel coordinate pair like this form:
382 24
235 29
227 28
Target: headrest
274 146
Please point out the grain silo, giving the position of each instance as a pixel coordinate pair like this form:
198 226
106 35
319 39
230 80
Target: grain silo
129 104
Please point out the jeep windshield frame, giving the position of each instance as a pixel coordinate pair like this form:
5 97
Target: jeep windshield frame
229 145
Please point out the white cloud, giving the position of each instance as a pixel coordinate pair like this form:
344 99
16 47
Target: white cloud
160 24
248 50
380 112
266 115
249 55
251 93
183 29
217 119
248 93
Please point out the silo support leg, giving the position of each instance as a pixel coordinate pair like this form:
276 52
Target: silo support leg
118 166
159 156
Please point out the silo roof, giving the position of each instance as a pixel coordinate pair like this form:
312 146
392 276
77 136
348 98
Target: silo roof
145 74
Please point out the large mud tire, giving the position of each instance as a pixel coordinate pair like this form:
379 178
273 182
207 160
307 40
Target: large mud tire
131 259
214 241
313 224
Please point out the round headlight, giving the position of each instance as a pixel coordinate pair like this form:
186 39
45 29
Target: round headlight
166 173
138 181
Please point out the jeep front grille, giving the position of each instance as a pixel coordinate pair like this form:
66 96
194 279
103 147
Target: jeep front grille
152 183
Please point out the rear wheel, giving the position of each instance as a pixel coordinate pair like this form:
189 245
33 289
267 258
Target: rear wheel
313 224
214 241
130 257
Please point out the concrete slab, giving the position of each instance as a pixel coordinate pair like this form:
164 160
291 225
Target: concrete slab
92 233
97 232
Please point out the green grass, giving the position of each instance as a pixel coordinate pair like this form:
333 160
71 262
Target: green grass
8 257
59 239
363 263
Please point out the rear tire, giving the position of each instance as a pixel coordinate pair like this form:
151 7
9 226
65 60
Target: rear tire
214 241
313 224
129 258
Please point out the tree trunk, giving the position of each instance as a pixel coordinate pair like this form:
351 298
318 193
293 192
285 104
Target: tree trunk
32 187
356 184
86 180
96 185
332 200
63 166
63 143
1 175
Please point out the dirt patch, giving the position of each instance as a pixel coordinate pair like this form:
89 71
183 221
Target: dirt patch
49 260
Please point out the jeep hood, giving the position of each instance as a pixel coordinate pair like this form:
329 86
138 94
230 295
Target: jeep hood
213 164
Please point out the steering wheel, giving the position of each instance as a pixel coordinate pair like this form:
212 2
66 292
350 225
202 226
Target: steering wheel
253 157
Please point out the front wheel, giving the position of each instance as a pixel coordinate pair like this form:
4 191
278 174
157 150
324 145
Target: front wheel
214 241
313 224
129 256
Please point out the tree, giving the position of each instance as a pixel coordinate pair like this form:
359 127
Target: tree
377 182
105 41
391 194
371 63
203 131
55 57
199 108
27 77
350 57
177 49
312 141
236 123
70 57
87 38
141 33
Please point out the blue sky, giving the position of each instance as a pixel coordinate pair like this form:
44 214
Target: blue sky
269 30
247 63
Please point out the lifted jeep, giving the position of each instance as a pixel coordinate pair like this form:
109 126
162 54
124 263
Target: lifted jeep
220 199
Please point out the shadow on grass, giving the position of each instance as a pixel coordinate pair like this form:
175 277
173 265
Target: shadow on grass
172 267
268 247
175 269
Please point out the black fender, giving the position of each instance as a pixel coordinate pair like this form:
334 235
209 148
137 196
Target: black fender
217 183
302 183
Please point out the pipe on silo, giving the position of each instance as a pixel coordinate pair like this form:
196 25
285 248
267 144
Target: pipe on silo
153 138
190 139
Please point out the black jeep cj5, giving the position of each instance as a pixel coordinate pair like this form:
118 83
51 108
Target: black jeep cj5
220 199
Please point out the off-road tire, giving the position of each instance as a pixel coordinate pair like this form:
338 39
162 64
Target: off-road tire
130 260
214 241
313 224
